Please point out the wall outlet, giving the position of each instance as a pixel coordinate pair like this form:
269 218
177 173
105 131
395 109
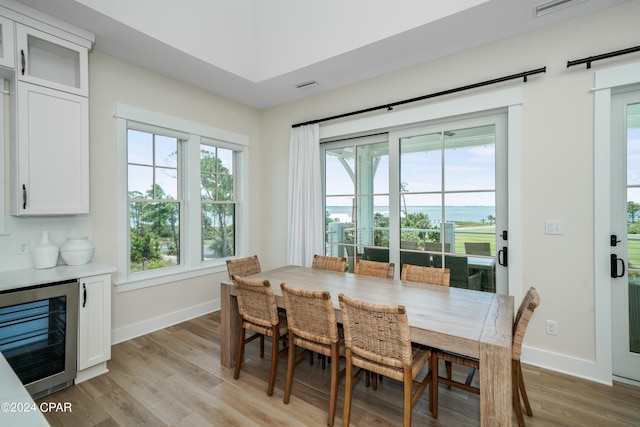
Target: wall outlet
22 248
552 327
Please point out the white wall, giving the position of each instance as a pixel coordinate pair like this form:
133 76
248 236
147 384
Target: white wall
557 158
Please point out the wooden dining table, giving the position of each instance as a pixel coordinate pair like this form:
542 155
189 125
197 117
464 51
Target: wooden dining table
471 323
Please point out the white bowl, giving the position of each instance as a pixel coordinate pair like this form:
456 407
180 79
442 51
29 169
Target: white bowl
77 251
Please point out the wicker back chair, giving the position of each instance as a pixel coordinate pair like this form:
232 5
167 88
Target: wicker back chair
257 307
330 263
378 340
313 327
529 303
374 268
243 266
429 275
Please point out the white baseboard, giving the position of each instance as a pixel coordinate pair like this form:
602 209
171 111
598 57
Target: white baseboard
569 365
150 325
94 371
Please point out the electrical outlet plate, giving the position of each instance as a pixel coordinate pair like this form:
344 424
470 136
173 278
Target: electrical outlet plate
22 248
552 327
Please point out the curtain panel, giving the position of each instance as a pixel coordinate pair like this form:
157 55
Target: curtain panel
305 214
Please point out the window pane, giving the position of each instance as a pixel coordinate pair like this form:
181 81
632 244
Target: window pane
469 159
139 147
218 231
421 163
207 158
373 168
167 183
166 151
633 145
226 160
339 171
225 187
420 219
472 216
154 235
140 181
373 221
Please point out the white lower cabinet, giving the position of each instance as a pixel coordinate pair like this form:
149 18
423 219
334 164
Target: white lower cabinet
94 326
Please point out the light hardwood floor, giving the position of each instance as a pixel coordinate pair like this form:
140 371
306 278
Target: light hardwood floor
173 377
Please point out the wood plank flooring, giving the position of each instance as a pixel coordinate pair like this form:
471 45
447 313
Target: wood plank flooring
173 377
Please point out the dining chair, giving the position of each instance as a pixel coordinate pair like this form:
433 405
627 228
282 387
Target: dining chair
330 263
528 305
477 248
313 326
259 312
243 266
378 340
459 267
376 254
415 258
436 247
429 275
374 268
408 244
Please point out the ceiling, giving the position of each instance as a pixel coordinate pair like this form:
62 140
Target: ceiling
255 52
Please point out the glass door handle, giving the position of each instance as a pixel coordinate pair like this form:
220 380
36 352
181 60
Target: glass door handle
503 258
614 266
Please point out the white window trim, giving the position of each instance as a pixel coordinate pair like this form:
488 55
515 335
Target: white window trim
2 145
191 132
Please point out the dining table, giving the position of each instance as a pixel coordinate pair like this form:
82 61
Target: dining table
470 323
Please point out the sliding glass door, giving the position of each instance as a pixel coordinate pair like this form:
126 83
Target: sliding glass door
433 195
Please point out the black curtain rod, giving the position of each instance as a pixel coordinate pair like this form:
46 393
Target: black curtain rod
522 75
590 59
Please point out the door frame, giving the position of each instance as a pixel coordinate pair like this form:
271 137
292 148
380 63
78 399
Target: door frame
606 81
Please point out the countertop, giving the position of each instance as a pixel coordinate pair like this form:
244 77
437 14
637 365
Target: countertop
15 279
17 408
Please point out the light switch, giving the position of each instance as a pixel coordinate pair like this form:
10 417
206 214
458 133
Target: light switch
554 227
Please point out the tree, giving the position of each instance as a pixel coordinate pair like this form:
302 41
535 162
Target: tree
218 213
632 210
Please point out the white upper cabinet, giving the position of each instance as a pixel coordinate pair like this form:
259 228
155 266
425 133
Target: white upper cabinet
50 61
51 153
6 43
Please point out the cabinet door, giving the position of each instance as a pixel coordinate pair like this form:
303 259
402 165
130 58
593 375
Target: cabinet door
6 42
50 61
51 175
94 321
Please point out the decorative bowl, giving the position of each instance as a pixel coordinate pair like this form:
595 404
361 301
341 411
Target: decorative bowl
77 251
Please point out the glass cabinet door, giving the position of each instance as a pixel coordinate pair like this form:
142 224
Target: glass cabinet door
6 42
49 61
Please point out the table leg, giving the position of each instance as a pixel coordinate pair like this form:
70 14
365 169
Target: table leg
495 364
229 324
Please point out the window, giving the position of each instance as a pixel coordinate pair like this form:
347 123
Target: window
181 206
218 202
153 179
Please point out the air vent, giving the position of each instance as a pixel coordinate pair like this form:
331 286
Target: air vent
307 85
555 5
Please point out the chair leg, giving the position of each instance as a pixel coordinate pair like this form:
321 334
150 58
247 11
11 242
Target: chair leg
333 394
408 387
261 346
236 373
275 335
290 365
523 390
348 390
516 394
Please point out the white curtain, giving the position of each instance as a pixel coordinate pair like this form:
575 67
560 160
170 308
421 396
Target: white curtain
306 219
